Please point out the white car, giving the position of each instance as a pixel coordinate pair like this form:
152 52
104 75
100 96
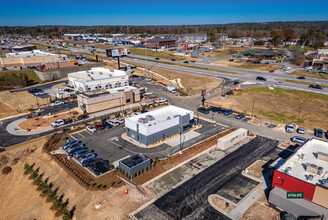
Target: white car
280 83
119 120
57 123
91 128
61 89
290 128
160 100
113 122
40 93
56 103
135 113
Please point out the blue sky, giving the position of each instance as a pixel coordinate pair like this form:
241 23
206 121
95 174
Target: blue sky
152 12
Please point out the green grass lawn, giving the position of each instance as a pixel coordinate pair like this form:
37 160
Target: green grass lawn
191 66
283 105
31 75
299 82
308 74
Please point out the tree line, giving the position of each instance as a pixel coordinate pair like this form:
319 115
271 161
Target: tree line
13 80
257 30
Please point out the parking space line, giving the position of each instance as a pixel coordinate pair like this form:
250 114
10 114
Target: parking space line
81 135
121 147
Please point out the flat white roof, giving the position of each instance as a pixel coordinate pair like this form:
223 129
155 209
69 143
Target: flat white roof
297 163
121 89
34 53
96 73
160 115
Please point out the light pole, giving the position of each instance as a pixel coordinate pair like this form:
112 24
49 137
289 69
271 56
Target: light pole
299 113
146 58
253 110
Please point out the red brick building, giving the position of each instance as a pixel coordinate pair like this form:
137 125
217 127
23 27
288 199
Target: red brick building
159 43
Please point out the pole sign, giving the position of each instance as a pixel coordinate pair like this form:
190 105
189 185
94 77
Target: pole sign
295 195
203 92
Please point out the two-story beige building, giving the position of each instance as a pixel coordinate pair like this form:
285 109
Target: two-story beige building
30 58
91 102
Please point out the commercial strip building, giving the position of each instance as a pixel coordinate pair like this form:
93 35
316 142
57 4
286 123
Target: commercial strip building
300 183
97 78
160 43
321 59
23 48
151 127
30 58
56 65
91 102
134 164
262 53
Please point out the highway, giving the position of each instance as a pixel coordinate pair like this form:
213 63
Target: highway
248 76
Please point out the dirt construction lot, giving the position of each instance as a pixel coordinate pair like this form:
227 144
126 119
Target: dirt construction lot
280 105
246 65
6 110
22 101
193 83
46 121
21 200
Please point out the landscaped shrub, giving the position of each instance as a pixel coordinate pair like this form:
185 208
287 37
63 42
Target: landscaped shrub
46 189
6 170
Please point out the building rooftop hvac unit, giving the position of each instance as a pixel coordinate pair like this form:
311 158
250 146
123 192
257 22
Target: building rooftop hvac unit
322 156
143 120
150 118
312 168
310 178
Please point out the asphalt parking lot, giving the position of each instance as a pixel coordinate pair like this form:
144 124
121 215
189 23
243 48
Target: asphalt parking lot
189 200
109 145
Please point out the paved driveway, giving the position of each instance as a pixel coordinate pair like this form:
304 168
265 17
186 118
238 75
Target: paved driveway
189 200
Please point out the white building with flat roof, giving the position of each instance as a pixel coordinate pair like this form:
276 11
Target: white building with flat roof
28 58
156 125
97 78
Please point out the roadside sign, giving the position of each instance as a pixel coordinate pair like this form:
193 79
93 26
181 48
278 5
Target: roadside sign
203 92
96 54
295 195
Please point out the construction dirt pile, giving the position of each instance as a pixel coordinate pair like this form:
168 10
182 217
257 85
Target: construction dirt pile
21 200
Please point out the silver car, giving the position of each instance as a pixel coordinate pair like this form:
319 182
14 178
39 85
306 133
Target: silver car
301 130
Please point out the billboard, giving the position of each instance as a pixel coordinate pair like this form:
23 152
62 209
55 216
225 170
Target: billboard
119 52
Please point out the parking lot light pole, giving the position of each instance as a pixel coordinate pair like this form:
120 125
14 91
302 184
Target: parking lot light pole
299 113
253 110
180 139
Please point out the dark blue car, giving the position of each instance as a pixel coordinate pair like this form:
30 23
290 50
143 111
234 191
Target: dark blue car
101 169
70 143
228 112
318 133
106 124
86 162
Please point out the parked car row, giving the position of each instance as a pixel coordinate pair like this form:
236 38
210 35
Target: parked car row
301 130
105 124
61 122
86 157
215 109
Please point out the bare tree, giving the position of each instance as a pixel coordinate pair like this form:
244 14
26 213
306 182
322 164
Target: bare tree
298 57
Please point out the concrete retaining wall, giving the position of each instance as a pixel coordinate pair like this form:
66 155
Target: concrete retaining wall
61 73
232 139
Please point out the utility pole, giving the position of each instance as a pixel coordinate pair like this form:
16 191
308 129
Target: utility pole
253 110
299 113
180 140
146 58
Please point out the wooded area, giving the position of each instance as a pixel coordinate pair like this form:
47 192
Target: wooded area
233 30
